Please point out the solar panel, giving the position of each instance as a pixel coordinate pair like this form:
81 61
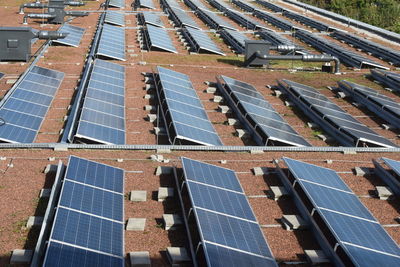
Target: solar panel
245 21
1 75
257 115
74 36
220 5
146 18
88 224
332 205
271 6
200 41
157 38
234 39
345 56
116 3
147 4
307 21
377 50
389 171
185 119
225 221
195 4
331 118
213 20
102 117
383 106
115 18
390 79
112 42
178 16
246 6
275 20
24 108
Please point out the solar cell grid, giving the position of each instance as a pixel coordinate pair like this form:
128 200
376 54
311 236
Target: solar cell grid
200 41
158 38
74 36
115 18
213 20
150 18
112 42
390 79
116 3
147 4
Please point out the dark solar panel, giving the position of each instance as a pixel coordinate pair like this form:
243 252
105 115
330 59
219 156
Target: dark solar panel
354 228
102 117
112 42
74 36
115 18
245 21
200 41
387 78
23 111
157 38
389 171
235 39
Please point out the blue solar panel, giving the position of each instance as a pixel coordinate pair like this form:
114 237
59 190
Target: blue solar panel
88 226
200 41
74 36
393 164
26 106
115 18
103 118
116 3
150 18
158 38
112 42
349 221
147 4
183 112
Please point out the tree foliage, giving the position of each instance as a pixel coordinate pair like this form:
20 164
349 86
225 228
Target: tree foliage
382 13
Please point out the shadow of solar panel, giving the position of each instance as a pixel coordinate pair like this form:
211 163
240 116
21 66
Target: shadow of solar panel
352 226
387 78
115 18
380 104
88 224
116 3
345 56
257 115
225 221
147 4
102 117
183 113
146 18
112 42
74 36
200 41
235 39
158 39
24 109
330 117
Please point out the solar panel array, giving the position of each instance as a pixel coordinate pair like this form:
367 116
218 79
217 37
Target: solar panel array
112 42
157 38
24 108
271 6
178 16
102 118
145 18
88 227
115 18
229 232
195 4
258 116
307 21
184 116
389 171
245 21
246 6
275 20
383 106
199 41
234 39
220 5
331 118
74 36
351 232
388 78
345 56
146 4
377 50
116 3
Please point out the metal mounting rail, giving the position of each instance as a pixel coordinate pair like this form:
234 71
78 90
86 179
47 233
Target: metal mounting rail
62 146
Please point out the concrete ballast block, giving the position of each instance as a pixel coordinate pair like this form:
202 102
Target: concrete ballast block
34 221
163 170
224 109
232 122
136 224
138 196
151 117
218 99
277 192
45 192
140 259
178 255
164 193
316 257
211 90
383 192
360 171
50 168
293 222
172 221
260 171
21 256
242 133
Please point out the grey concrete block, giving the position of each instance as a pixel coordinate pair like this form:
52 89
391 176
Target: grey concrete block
50 168
288 104
341 95
293 222
383 192
277 93
224 109
159 130
260 171
218 99
388 126
312 125
11 81
325 138
138 196
163 170
211 90
140 259
361 171
45 192
178 255
256 151
233 121
148 96
150 108
164 193
241 133
277 192
316 257
329 161
158 158
163 151
172 221
151 117
60 147
21 256
349 152
34 221
136 224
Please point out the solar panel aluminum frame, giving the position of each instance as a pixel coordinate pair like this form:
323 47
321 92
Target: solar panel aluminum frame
311 214
340 136
247 122
90 214
391 178
149 43
103 33
237 46
377 109
40 248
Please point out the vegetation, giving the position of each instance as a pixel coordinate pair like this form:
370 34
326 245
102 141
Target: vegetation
382 13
